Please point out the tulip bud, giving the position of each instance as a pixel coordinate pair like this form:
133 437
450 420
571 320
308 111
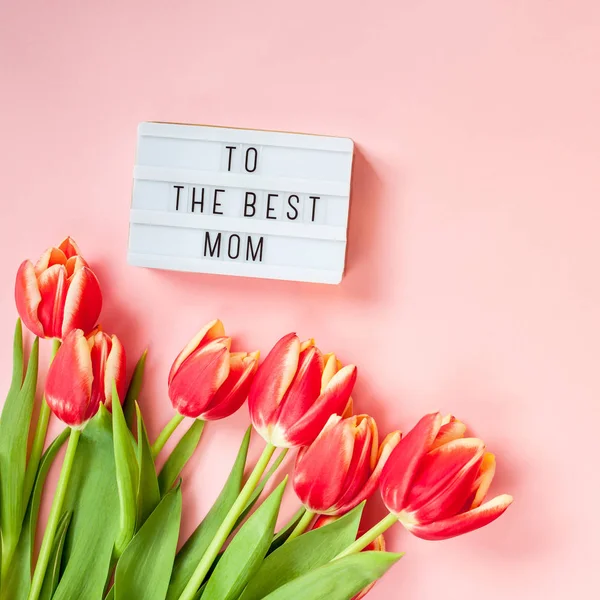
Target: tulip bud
60 293
436 480
81 376
377 545
207 381
341 468
295 392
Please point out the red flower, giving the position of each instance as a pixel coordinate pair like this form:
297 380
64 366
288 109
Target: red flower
295 392
81 376
341 468
60 293
207 381
377 545
436 480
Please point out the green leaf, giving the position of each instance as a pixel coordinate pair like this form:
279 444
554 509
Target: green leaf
283 534
53 569
180 455
341 579
133 393
246 551
16 585
14 434
148 493
17 374
260 487
145 568
303 554
191 553
92 497
127 474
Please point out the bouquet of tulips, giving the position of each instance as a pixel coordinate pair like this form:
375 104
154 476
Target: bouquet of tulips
113 527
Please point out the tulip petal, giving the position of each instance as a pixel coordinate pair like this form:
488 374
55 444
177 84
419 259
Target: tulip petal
53 288
365 443
212 330
51 257
332 401
484 481
445 480
271 382
99 344
197 380
69 382
83 302
462 523
329 454
74 264
28 298
367 490
115 371
349 410
233 393
403 464
452 430
329 370
69 247
303 390
307 344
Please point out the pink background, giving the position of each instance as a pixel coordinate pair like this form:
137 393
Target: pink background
472 283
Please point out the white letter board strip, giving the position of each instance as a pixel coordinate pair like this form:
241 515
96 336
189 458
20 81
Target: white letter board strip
240 202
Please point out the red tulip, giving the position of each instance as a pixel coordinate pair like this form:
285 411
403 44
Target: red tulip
82 374
436 480
341 468
60 293
377 545
295 392
207 381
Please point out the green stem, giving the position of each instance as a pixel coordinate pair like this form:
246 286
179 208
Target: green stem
165 434
189 593
302 526
54 517
39 440
362 542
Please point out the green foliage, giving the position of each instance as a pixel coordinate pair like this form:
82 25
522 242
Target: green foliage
53 569
16 585
148 493
182 452
246 551
191 553
14 433
341 579
145 567
303 554
127 471
93 499
133 393
284 533
260 487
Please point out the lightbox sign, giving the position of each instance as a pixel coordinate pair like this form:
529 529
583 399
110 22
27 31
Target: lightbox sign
240 202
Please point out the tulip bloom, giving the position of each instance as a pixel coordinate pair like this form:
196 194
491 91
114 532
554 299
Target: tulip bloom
60 293
81 376
295 392
436 480
377 545
341 468
207 381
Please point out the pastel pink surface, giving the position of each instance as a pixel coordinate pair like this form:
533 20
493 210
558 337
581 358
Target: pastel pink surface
472 282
